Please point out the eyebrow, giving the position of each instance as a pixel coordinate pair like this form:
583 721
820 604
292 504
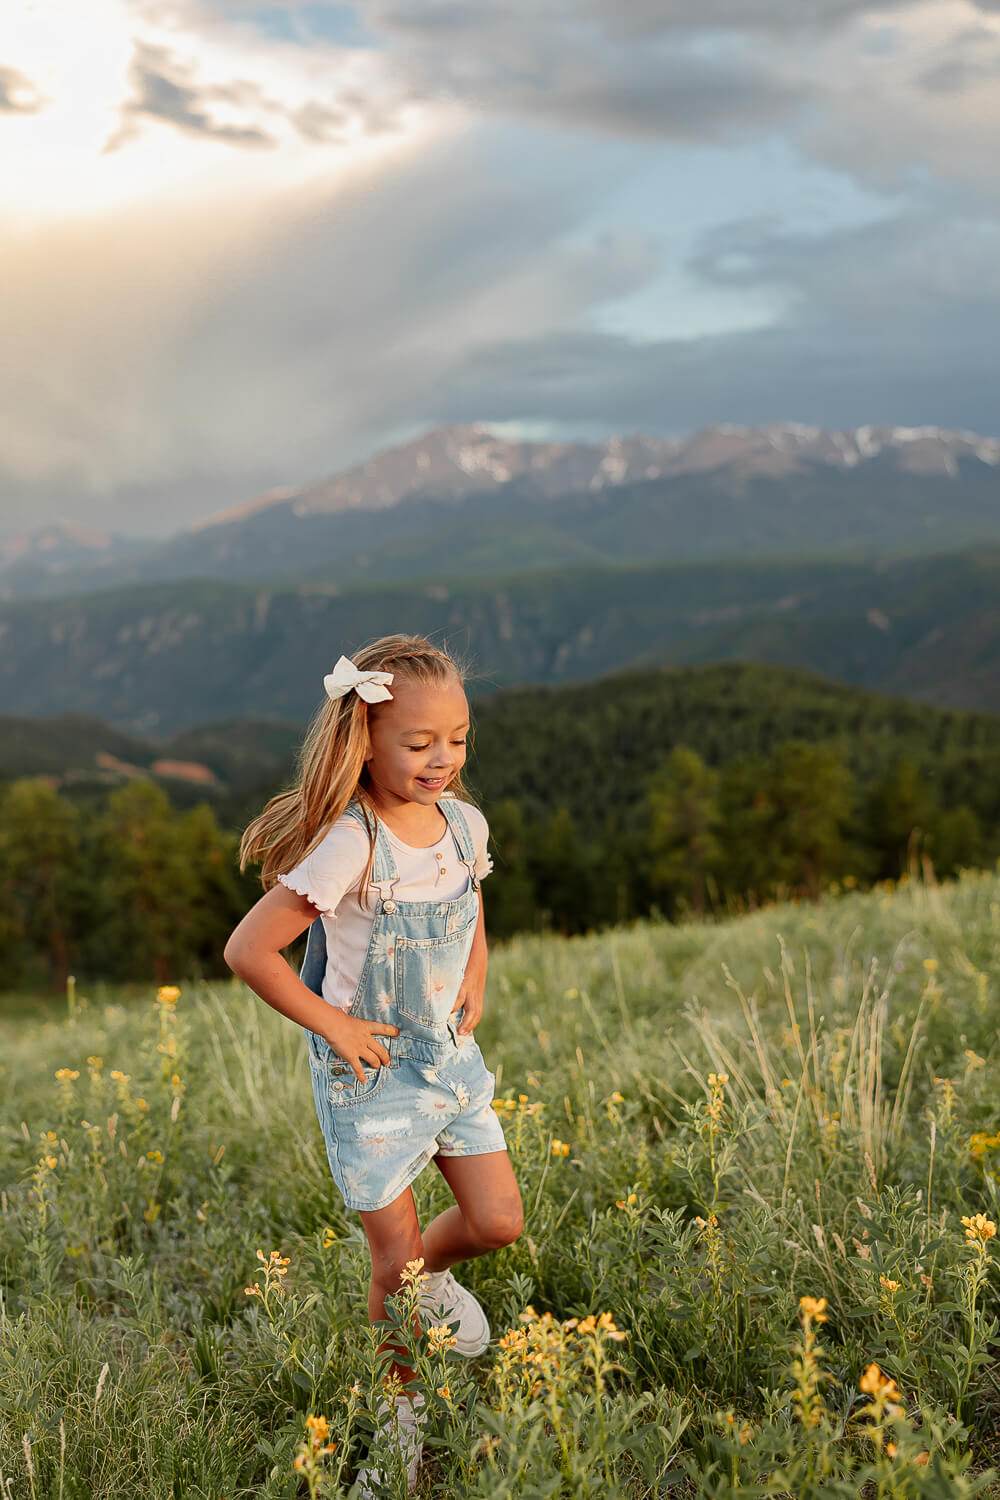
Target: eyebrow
430 731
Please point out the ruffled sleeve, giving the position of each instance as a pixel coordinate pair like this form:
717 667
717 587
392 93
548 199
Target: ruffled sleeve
480 831
332 869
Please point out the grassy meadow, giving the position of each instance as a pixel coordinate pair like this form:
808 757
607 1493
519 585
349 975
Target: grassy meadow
759 1165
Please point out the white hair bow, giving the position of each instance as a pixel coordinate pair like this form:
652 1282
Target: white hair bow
367 685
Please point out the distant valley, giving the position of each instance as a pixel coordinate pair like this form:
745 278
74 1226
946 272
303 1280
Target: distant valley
159 659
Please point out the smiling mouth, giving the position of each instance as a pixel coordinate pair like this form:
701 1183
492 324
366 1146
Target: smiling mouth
432 781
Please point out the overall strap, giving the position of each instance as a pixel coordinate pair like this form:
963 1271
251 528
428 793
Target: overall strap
459 826
384 871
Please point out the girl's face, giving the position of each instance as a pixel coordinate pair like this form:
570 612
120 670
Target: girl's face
417 741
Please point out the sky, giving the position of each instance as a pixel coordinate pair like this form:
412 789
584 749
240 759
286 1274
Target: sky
245 244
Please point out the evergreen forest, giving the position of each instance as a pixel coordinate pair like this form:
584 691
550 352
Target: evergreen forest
669 792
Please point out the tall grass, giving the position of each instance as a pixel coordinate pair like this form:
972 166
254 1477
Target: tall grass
764 1151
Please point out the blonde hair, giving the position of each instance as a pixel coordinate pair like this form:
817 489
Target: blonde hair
330 768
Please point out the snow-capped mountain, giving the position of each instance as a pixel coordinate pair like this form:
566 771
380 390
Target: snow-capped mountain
463 460
528 503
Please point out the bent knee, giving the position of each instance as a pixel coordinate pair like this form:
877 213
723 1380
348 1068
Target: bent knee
500 1226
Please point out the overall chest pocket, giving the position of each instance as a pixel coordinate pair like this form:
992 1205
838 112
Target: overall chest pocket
429 972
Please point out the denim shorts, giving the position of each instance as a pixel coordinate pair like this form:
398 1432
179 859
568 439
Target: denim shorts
433 1099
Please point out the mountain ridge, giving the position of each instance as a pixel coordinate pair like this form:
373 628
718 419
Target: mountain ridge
466 465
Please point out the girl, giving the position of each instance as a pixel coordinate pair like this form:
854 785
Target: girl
391 987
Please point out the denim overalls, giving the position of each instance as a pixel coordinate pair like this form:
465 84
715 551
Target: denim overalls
436 1095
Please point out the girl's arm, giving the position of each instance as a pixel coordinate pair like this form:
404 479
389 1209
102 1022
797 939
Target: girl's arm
254 953
474 983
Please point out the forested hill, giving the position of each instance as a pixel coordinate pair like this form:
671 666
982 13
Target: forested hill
160 659
587 746
672 790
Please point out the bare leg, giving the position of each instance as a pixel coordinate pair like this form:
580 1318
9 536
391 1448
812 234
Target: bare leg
487 1212
393 1239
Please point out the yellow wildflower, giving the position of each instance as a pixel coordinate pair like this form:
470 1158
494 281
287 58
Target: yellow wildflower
62 1073
607 1324
813 1307
930 964
167 994
874 1383
440 1338
980 1141
978 1227
889 1285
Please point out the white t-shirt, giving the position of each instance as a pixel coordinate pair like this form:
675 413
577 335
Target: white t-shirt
330 877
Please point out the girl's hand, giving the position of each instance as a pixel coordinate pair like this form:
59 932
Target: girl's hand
473 986
470 995
356 1041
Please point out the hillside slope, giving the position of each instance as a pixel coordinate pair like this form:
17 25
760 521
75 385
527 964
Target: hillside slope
157 660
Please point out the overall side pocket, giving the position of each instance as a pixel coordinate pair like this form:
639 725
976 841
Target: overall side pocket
343 1088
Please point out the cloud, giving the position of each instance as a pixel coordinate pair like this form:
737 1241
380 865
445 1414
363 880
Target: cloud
882 90
457 288
465 19
18 95
967 59
620 70
160 96
248 337
883 324
345 242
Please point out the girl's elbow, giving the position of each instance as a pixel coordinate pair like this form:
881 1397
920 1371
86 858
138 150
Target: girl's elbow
233 954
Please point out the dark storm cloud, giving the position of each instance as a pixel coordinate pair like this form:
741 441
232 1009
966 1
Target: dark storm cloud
18 95
607 69
466 276
296 351
160 93
971 57
882 324
456 18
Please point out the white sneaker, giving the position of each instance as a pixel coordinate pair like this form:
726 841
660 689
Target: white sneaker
400 1432
444 1300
